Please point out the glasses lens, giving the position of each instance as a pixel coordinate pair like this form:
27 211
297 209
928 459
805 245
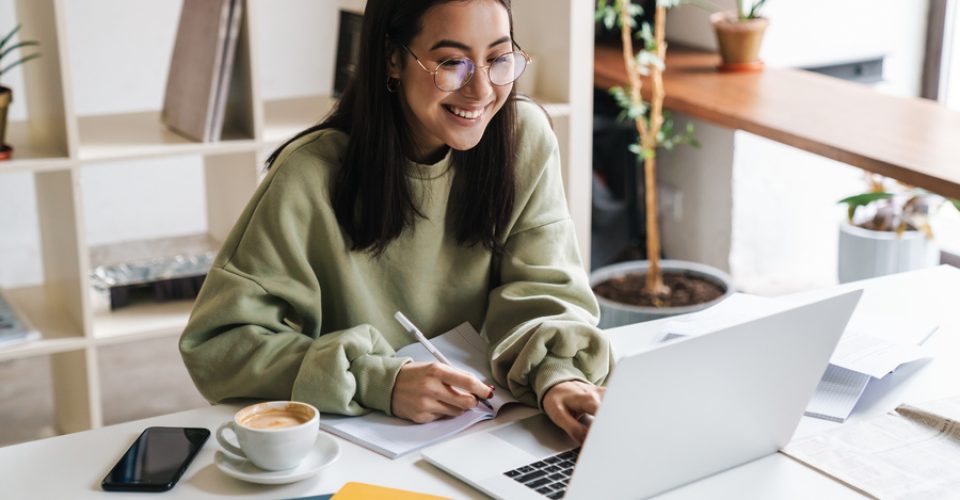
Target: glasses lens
506 68
453 74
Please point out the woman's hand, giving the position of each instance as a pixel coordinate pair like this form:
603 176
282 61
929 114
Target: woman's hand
567 402
425 392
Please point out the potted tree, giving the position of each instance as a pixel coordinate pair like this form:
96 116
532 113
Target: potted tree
888 231
635 291
7 48
739 35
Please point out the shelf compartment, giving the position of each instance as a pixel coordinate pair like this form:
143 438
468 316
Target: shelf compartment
286 117
58 334
31 152
142 134
141 321
144 319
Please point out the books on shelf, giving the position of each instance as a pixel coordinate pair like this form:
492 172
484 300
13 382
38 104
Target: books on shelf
394 437
200 69
14 328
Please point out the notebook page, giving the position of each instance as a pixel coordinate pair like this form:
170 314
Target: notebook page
393 437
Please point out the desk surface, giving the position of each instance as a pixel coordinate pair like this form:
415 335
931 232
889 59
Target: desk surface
910 139
72 466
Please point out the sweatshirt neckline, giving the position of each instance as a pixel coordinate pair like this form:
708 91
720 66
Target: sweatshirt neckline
427 172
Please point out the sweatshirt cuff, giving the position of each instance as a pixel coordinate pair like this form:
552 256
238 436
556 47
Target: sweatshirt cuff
375 376
550 372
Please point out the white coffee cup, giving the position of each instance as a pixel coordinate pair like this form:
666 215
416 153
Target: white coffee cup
276 435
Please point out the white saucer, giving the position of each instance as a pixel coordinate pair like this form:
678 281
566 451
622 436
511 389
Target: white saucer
325 452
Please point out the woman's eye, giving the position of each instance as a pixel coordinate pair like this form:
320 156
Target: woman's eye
455 63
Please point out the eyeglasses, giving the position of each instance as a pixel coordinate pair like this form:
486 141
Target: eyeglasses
452 74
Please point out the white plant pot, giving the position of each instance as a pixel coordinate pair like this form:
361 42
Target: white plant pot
864 253
613 314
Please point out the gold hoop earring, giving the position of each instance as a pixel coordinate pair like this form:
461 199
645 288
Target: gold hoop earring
392 84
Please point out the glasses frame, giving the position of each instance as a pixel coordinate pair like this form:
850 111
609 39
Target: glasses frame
526 57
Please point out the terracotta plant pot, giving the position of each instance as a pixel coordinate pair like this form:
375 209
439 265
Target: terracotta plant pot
6 96
739 41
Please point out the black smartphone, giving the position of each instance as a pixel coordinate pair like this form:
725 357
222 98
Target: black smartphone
156 460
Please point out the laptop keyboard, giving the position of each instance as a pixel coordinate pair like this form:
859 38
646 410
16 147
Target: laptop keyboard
548 476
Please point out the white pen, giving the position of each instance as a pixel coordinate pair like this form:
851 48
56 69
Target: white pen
413 330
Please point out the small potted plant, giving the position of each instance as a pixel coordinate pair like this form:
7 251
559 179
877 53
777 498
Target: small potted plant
888 231
739 35
7 48
634 291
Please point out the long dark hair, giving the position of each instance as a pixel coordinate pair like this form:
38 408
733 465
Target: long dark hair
371 197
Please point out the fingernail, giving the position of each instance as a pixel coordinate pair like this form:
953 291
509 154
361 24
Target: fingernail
491 394
492 388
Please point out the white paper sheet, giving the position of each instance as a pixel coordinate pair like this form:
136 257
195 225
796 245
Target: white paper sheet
910 453
837 394
393 437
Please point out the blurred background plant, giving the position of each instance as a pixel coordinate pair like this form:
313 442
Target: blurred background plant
655 129
6 51
892 206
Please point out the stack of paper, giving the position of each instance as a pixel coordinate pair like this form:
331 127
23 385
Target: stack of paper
871 347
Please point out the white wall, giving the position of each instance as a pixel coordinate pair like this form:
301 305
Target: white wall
783 211
691 228
119 54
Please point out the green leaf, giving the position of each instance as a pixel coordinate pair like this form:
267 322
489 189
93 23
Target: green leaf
755 9
21 61
955 203
646 34
865 198
9 36
29 43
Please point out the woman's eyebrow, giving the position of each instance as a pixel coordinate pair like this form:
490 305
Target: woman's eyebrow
462 46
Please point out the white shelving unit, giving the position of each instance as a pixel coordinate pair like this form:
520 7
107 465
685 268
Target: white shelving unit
56 145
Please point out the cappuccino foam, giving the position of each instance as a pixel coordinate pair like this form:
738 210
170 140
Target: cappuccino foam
275 418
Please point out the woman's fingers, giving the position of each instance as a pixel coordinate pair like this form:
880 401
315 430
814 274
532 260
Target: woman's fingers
463 380
567 402
561 416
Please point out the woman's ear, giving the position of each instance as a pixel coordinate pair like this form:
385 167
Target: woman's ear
393 62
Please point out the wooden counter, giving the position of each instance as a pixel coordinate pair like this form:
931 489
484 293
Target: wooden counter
914 140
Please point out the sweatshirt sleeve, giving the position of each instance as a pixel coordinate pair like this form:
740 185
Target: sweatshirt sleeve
541 320
237 345
256 330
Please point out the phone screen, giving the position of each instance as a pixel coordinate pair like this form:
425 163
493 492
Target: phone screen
156 460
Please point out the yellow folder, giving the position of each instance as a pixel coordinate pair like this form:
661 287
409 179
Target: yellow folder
361 491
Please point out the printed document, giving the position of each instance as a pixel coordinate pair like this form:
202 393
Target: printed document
394 437
912 452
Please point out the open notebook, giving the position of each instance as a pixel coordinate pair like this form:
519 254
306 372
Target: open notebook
394 437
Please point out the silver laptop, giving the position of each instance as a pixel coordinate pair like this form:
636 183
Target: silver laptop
672 414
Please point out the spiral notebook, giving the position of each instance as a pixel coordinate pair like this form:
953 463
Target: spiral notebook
394 437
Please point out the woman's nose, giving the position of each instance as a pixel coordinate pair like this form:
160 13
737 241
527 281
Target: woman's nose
479 85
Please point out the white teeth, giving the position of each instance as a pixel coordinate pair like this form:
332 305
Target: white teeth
469 115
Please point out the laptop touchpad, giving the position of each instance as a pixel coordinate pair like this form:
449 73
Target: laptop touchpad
536 435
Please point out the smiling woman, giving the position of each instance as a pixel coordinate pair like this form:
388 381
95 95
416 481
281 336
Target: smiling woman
430 189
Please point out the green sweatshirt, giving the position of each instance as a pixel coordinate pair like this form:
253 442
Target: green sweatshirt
289 312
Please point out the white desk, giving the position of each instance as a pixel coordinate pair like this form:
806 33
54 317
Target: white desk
72 466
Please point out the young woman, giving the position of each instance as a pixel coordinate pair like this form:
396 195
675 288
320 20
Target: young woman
430 190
